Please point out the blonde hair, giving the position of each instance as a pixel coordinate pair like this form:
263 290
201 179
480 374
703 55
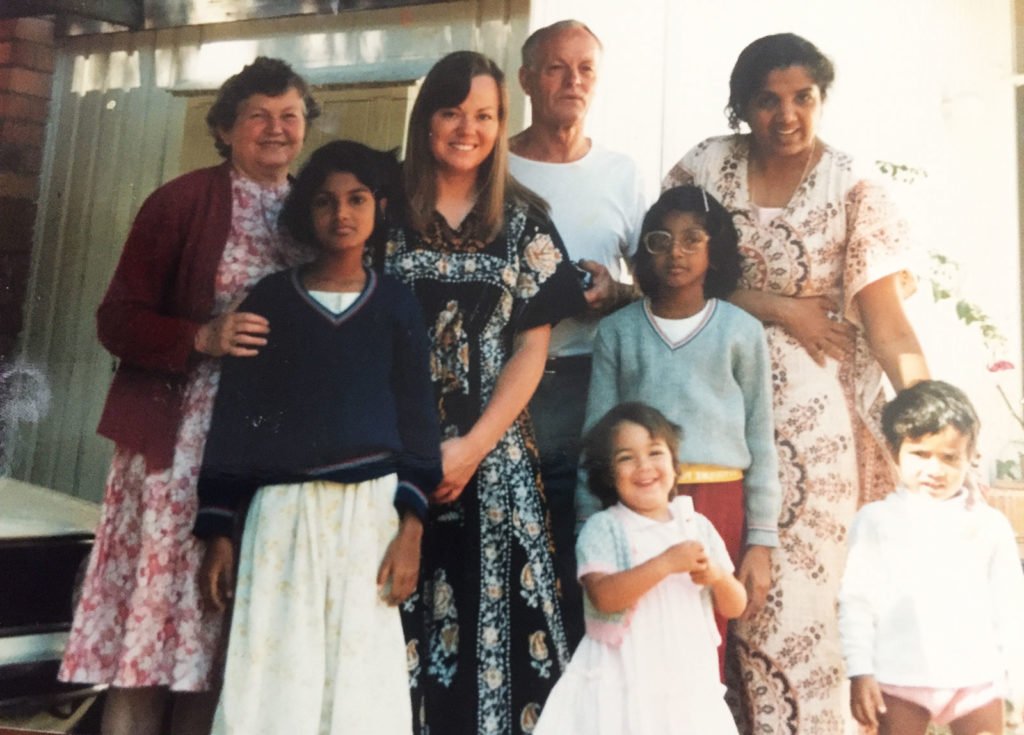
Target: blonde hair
447 85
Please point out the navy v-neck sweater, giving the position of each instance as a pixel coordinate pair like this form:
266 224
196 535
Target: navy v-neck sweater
343 397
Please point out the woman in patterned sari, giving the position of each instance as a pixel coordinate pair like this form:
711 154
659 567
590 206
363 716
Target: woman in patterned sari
825 269
484 631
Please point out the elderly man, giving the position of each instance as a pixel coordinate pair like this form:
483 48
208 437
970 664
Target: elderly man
597 204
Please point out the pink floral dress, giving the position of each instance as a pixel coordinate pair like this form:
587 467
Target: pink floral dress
140 620
838 234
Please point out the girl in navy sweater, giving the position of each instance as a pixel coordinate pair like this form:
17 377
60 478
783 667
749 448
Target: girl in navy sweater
329 429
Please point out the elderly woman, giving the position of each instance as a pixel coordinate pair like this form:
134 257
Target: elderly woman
486 641
197 245
824 268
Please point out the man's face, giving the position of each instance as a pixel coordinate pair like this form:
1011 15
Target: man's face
562 80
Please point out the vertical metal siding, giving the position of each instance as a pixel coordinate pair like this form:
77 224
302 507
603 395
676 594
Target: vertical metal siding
116 132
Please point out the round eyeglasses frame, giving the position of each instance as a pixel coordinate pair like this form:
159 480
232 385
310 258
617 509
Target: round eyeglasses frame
659 242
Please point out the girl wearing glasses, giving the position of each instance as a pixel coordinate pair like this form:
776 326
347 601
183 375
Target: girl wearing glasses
704 363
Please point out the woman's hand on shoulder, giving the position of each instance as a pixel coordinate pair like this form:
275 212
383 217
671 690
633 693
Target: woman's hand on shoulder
216 574
236 333
809 320
399 569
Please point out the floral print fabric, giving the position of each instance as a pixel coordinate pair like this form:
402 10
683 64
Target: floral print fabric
140 620
484 631
838 234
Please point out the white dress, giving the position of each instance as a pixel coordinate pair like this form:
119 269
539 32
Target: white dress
661 678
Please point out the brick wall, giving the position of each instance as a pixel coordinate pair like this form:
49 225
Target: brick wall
26 70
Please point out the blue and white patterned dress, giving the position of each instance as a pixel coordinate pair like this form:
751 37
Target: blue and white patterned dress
484 631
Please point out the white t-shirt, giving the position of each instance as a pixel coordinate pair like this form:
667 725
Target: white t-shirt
597 205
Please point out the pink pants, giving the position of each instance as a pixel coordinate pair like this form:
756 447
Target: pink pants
945 705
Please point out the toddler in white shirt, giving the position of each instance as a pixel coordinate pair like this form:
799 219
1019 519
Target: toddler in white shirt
932 598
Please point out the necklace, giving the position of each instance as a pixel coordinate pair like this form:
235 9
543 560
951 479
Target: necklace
762 188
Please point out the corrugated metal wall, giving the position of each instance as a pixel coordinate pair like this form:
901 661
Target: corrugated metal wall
118 123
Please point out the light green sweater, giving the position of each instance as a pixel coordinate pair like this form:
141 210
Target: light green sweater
716 384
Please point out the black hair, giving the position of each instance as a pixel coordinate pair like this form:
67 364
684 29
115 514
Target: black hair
926 408
598 445
766 54
377 170
723 246
265 75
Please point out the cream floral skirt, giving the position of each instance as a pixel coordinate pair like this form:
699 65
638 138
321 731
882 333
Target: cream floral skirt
313 650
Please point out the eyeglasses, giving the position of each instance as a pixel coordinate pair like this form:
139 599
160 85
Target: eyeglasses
660 242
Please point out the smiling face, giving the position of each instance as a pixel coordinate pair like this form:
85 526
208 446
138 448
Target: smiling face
562 80
462 138
935 463
783 116
676 270
344 212
643 470
267 135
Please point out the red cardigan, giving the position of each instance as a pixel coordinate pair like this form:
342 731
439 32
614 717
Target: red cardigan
161 293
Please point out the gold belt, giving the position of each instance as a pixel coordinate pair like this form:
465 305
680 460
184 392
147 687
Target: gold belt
693 474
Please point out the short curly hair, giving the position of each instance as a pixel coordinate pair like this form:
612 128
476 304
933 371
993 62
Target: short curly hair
599 445
927 408
265 75
723 246
766 54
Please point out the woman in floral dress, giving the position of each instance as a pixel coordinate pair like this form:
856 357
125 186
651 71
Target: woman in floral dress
825 269
484 631
197 245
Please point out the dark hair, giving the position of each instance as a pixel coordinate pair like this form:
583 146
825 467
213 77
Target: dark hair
926 408
447 85
723 246
271 77
377 170
766 54
541 35
598 445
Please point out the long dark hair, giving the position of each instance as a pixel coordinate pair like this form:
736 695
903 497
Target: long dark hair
377 170
723 246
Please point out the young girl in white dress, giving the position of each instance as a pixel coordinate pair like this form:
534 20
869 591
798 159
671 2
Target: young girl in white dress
654 571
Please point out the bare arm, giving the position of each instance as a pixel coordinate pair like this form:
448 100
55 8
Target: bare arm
729 596
805 318
518 380
399 569
890 336
611 593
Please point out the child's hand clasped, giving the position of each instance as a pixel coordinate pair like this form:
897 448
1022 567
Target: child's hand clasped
707 576
687 556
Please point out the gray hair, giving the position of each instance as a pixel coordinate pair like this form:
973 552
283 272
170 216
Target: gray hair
541 35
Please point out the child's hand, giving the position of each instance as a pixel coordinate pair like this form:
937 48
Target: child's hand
400 568
686 556
708 575
866 701
216 575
